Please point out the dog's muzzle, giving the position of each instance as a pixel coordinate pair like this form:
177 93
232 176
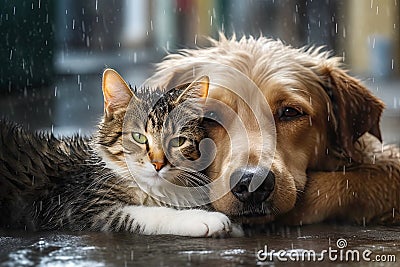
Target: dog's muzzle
252 185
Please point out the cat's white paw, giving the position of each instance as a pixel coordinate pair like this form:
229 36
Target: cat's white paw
201 223
165 221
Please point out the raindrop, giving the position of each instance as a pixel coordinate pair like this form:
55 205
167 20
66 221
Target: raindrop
88 107
340 202
392 63
96 4
151 25
41 243
73 24
211 20
14 11
344 169
39 4
11 53
79 79
32 6
134 57
195 39
59 199
347 184
52 128
377 10
393 212
318 192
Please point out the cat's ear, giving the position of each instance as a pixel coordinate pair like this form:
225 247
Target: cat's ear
116 91
196 90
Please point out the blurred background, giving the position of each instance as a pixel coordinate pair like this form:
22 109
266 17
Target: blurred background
53 52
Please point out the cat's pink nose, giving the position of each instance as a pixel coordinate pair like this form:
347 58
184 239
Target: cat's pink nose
158 165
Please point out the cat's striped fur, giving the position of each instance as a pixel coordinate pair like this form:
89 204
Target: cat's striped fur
85 184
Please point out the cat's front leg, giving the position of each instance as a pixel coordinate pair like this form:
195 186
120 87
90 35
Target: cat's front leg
163 220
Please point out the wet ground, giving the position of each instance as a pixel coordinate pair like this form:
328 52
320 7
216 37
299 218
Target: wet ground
74 103
362 245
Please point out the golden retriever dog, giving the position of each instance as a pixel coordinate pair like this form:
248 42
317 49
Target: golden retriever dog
296 122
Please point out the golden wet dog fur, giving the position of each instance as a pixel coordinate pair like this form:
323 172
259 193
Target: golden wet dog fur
329 162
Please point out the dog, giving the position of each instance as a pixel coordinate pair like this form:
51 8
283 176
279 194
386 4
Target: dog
327 161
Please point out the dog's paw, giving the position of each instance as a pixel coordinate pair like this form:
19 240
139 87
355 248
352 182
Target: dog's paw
201 223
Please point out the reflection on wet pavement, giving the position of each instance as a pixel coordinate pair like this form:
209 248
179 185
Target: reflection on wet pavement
19 248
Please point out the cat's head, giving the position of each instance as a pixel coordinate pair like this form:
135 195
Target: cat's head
150 136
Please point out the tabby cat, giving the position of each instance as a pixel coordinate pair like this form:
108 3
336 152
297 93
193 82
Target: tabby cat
117 180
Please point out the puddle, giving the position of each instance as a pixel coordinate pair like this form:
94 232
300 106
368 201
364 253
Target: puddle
20 248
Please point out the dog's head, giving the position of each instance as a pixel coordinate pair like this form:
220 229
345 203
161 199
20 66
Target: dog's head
316 112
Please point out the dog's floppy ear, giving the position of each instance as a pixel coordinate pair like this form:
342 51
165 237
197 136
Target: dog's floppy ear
356 110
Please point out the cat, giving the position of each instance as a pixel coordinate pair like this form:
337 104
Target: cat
122 179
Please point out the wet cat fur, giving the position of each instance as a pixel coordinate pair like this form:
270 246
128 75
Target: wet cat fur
65 183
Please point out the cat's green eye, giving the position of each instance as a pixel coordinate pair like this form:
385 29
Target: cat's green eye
140 138
177 141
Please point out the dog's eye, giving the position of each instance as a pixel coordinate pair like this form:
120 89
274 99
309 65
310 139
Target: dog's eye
289 113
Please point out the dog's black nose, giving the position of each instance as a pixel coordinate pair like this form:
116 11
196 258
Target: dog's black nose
244 182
